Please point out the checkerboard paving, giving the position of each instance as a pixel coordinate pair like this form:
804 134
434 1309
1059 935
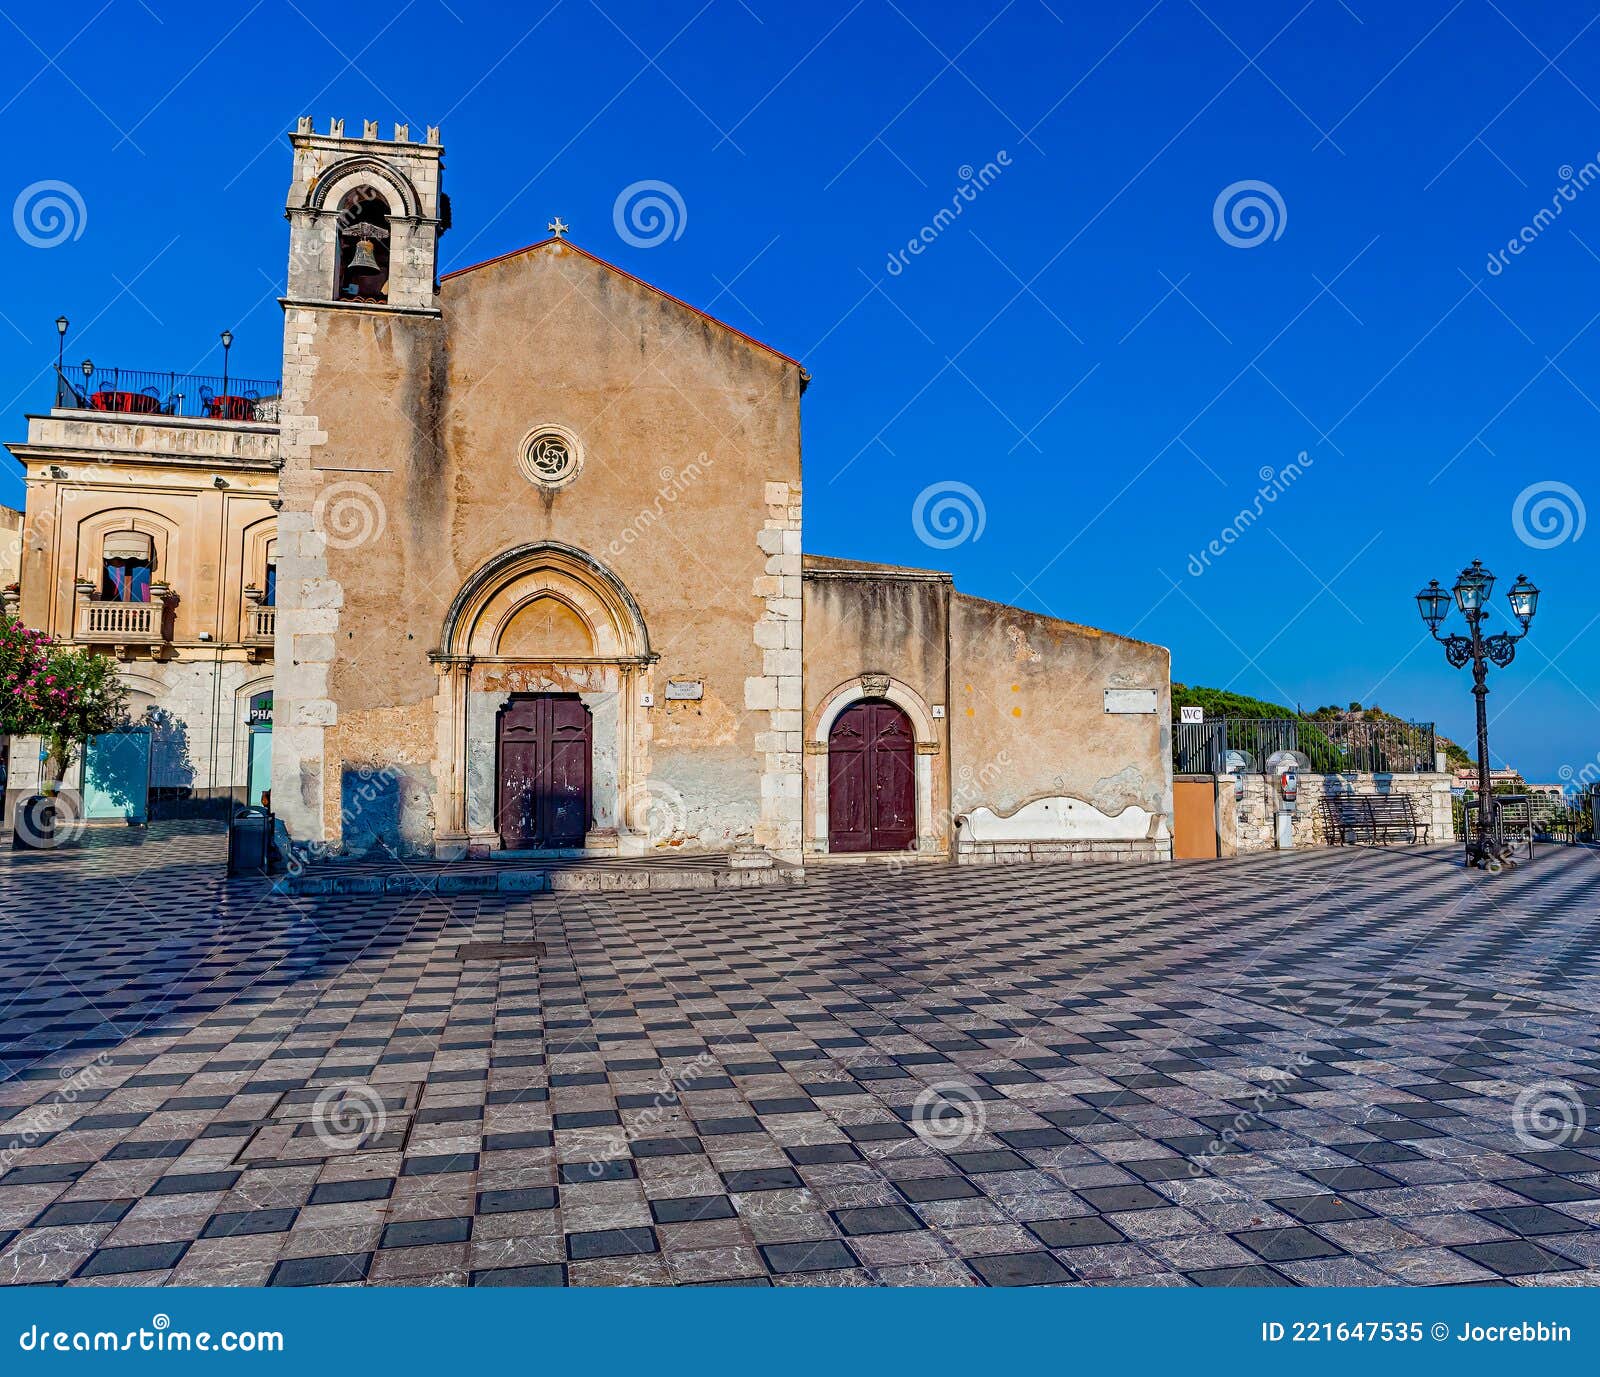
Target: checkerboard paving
1345 1067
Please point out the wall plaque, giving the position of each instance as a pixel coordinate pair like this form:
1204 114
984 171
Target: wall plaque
1130 700
685 690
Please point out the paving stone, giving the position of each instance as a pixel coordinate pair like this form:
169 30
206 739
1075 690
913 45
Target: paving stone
817 1256
1079 1232
691 1088
321 1271
1019 1269
1515 1258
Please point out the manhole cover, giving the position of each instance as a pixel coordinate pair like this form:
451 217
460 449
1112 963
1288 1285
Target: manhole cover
500 951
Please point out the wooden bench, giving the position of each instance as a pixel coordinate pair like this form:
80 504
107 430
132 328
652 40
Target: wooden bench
1376 818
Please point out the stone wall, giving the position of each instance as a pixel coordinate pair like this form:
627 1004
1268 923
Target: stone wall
1249 826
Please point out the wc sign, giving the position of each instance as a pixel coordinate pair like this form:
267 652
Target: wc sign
1188 714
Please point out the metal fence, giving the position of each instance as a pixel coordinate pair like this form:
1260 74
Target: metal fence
1563 821
138 392
1244 745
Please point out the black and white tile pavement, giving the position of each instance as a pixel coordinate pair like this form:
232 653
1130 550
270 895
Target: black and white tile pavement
1344 1068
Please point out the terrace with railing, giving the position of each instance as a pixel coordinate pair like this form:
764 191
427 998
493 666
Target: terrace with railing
138 392
1333 746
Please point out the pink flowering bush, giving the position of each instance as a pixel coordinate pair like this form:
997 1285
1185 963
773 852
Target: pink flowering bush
62 694
24 667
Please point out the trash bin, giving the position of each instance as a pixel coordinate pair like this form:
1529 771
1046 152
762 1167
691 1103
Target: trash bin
35 823
250 842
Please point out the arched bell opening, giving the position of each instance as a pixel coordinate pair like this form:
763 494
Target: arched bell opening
363 230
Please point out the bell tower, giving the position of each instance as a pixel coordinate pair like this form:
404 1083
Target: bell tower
365 216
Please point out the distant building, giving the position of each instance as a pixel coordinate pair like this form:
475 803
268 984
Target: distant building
1467 778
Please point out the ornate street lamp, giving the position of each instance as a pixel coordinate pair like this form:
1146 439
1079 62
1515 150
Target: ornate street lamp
61 340
1471 592
227 344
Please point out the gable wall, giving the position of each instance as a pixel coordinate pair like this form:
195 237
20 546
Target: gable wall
401 480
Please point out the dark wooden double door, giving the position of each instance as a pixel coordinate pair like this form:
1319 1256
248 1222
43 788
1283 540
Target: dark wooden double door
545 744
872 779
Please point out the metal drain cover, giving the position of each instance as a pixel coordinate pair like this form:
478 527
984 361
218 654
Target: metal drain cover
500 951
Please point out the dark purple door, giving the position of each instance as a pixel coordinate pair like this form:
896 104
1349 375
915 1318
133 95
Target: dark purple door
544 773
872 779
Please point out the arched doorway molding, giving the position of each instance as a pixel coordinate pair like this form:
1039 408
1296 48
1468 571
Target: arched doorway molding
605 653
903 696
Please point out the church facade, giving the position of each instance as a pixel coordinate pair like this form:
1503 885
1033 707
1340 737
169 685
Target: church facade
538 582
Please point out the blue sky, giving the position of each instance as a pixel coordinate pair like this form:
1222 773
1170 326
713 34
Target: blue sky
1082 346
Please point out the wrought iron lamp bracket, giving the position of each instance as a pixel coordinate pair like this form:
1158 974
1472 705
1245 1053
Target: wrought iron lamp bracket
1501 648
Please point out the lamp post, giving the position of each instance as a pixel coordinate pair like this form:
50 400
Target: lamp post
88 372
1471 592
61 340
227 344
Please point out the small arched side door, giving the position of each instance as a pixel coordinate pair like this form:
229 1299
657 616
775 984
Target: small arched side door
872 791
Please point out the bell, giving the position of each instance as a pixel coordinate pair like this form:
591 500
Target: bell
364 262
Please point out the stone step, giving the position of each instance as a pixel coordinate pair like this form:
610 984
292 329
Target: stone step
593 879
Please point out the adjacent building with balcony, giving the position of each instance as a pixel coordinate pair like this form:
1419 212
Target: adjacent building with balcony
150 533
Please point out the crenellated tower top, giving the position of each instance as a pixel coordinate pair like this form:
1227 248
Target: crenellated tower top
365 216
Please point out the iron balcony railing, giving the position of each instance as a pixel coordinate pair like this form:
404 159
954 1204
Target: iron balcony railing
136 392
1245 745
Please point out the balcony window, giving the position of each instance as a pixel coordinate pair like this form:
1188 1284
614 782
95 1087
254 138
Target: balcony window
126 580
126 564
269 596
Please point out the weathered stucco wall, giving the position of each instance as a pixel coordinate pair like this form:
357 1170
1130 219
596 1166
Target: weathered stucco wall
10 546
408 482
1041 769
862 623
